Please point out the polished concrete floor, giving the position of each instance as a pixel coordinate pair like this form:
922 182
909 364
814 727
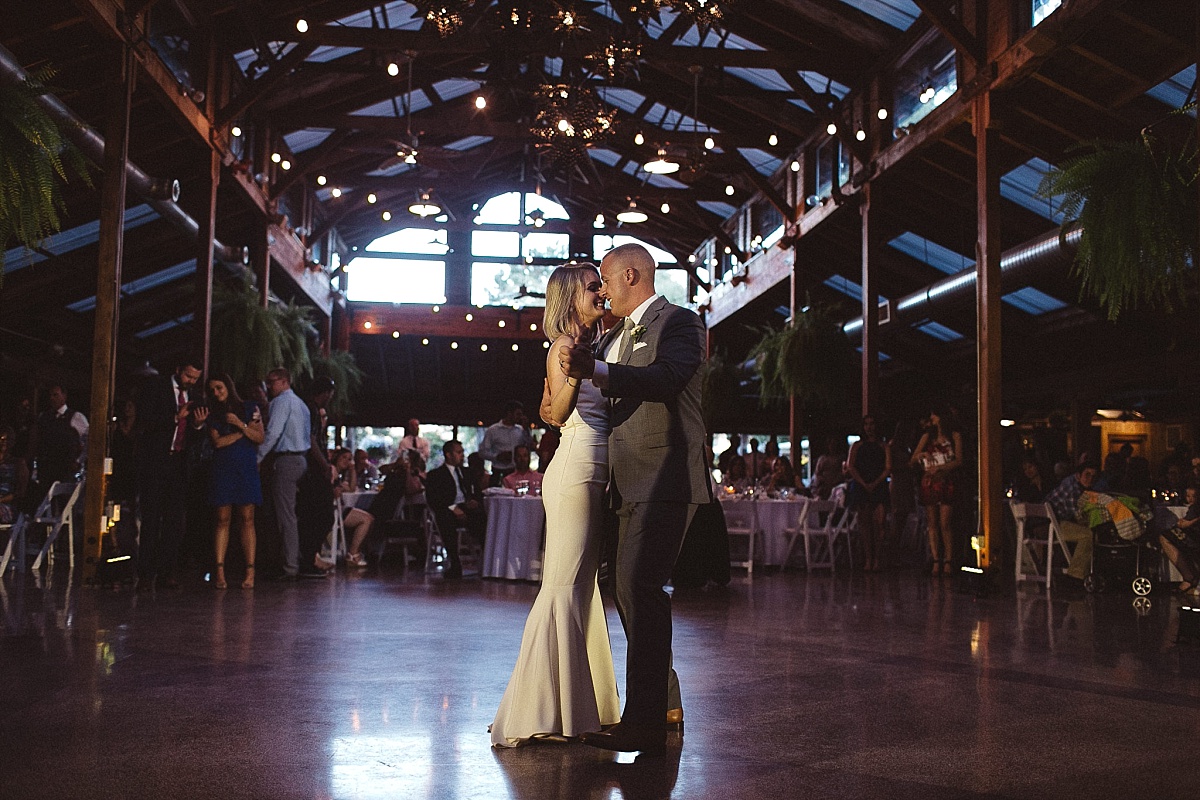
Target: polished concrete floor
382 686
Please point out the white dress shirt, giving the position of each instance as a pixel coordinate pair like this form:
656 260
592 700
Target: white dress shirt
613 354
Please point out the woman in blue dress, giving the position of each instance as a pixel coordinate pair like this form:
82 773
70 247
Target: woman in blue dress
235 428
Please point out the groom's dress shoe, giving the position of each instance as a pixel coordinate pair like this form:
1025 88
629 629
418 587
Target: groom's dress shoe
626 738
675 720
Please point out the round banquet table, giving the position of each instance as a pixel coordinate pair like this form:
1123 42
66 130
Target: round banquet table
513 547
774 517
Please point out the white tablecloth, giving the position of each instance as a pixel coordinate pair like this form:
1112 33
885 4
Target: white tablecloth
774 517
513 549
361 500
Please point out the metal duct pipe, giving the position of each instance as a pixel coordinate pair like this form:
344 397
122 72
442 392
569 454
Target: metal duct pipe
158 194
1016 266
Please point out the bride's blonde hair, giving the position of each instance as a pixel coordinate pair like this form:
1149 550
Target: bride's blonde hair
566 285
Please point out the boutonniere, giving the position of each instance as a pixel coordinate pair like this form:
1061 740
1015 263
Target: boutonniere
637 333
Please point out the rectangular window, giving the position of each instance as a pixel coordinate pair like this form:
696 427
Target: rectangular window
396 280
929 79
496 243
1044 8
547 245
508 284
826 153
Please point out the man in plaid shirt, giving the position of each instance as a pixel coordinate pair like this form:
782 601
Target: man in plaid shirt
1065 502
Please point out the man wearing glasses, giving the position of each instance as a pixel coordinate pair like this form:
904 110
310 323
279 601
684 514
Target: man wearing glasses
287 439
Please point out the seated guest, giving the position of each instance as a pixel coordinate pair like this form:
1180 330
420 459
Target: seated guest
368 473
455 502
477 472
521 456
414 482
781 476
355 521
14 478
1065 502
1181 544
1029 487
736 474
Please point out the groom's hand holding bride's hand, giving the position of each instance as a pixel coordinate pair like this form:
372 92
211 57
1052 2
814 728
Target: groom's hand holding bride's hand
577 361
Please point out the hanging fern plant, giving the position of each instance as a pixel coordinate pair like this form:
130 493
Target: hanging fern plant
1137 205
340 367
35 160
248 341
810 359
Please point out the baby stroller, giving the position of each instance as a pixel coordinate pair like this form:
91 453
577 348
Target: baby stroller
1119 537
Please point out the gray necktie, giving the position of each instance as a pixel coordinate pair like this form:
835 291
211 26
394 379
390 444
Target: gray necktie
627 341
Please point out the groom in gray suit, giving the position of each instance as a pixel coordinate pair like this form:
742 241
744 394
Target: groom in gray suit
651 374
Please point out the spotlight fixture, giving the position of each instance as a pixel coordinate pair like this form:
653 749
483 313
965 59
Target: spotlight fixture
772 140
661 165
302 25
321 180
831 129
425 207
371 198
393 69
632 214
481 102
235 131
638 139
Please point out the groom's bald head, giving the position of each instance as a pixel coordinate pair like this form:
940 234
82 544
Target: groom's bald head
627 278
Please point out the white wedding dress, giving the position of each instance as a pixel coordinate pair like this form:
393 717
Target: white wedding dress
563 683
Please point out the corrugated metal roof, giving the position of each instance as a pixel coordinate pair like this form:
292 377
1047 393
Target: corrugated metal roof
73 238
160 278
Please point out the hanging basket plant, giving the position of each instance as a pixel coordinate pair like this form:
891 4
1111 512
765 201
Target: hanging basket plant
248 340
35 160
1137 206
340 367
809 359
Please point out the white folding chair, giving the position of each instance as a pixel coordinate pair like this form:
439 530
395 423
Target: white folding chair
58 514
15 531
741 520
1035 543
816 526
435 551
845 531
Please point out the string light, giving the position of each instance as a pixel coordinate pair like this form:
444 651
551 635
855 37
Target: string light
321 180
367 325
425 342
710 143
500 324
454 345
638 139
302 25
483 348
276 158
861 136
335 192
470 317
395 334
393 69
831 129
882 113
665 208
481 102
285 164
516 347
772 140
729 190
795 166
371 198
387 216
235 131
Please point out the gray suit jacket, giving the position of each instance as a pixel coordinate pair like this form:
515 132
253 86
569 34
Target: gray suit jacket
657 443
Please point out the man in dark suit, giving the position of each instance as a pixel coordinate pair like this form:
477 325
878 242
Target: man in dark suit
455 501
169 421
651 373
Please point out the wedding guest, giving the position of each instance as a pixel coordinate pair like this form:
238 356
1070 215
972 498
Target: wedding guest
14 478
355 521
61 437
736 474
829 471
770 454
754 461
122 484
501 438
1065 502
869 465
368 473
455 502
169 423
235 429
413 440
735 442
477 472
1029 487
288 439
523 472
939 453
414 482
781 477
546 447
1181 544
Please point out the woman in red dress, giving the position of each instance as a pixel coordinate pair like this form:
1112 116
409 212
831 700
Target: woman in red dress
939 453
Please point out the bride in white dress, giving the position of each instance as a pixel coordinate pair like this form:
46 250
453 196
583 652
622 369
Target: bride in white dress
563 684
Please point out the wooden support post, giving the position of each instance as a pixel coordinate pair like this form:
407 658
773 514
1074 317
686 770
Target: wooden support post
870 310
260 261
108 305
202 320
795 412
987 342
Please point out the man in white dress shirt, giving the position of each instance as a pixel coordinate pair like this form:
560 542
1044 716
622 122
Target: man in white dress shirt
414 441
502 438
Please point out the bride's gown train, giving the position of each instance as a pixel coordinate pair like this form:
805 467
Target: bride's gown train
564 683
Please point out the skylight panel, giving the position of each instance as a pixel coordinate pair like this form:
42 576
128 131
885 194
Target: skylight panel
722 210
1032 301
848 287
154 280
468 143
399 16
882 355
399 168
624 99
939 331
451 88
1044 8
306 139
553 66
1020 186
897 13
163 327
1174 91
761 160
73 238
665 182
670 119
394 106
326 53
940 258
821 83
767 79
604 156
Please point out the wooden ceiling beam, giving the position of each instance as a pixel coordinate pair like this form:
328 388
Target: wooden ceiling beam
953 29
249 95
